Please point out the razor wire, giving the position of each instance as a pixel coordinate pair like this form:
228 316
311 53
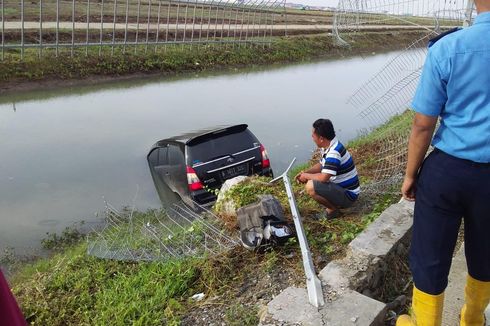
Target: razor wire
53 26
171 233
388 94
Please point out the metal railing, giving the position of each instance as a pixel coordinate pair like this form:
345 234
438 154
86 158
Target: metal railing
83 26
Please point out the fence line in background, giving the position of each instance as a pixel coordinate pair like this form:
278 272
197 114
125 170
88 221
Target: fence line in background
84 24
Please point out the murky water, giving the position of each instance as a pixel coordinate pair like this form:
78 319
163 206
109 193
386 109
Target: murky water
62 152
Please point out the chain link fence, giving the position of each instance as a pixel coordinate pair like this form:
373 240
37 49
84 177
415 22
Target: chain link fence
101 26
389 92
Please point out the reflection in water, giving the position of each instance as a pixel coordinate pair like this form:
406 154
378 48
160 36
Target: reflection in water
62 151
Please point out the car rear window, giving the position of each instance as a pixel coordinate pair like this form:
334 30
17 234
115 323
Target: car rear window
221 146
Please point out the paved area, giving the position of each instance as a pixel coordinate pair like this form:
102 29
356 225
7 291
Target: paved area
454 297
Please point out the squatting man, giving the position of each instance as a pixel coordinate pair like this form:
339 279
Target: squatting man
332 182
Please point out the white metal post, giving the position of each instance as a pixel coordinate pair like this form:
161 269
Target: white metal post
313 284
468 13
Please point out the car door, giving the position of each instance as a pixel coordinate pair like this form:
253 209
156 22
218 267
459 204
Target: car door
176 169
161 166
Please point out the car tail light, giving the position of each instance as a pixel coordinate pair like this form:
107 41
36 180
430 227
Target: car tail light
265 157
192 180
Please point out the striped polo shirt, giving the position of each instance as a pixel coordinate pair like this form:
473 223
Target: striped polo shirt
338 162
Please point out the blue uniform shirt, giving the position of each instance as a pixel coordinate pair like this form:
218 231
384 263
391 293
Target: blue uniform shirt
455 85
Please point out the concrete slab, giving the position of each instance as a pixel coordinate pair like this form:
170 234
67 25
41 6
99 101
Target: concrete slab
387 230
336 275
353 308
454 295
291 306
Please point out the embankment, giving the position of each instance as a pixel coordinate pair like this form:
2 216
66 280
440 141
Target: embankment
50 71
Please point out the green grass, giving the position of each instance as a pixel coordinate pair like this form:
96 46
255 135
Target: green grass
398 124
74 288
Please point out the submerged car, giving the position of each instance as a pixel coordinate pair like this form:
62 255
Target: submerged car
194 166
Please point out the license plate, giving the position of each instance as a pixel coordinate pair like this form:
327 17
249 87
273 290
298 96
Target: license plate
234 171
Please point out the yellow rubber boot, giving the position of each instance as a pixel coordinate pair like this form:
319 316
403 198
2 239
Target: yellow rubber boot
477 296
426 310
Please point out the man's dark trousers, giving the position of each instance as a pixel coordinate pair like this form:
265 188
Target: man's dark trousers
450 189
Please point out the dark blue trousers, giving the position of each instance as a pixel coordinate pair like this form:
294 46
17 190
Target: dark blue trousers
449 190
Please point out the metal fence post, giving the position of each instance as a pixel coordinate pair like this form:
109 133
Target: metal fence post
223 19
285 19
72 27
40 28
88 28
148 26
158 25
272 23
3 30
57 26
209 20
101 25
468 13
177 21
126 27
193 23
236 23
201 21
22 29
137 26
241 25
114 28
168 23
216 19
313 284
185 21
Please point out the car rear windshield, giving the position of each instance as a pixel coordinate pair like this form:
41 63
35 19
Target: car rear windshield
220 146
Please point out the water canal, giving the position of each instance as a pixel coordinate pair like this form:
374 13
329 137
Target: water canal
62 151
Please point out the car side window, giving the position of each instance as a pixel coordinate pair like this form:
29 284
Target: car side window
175 155
162 156
153 157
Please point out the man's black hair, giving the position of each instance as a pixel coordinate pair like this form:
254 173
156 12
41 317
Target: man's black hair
324 128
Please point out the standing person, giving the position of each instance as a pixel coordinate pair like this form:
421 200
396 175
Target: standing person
333 182
454 180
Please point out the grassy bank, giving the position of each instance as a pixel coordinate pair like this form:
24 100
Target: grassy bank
72 288
177 59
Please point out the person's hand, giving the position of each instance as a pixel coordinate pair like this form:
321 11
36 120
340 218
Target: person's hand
409 188
298 176
301 178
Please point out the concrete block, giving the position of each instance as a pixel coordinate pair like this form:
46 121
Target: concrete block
381 235
291 306
353 308
336 275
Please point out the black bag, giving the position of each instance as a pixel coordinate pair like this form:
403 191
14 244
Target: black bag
263 223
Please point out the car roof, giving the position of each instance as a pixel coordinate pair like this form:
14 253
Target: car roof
194 137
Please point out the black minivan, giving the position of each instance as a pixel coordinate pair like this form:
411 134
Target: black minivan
191 164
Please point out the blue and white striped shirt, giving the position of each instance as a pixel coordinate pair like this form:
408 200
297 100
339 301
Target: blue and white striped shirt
338 162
